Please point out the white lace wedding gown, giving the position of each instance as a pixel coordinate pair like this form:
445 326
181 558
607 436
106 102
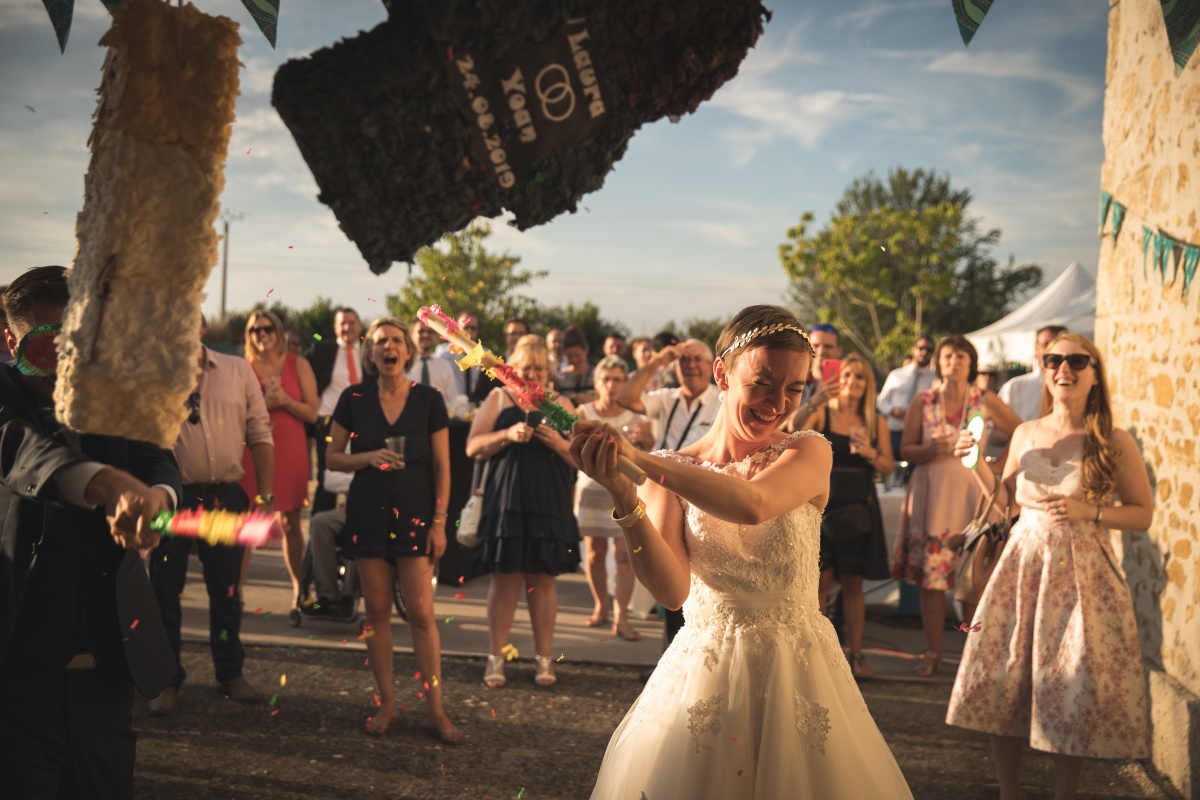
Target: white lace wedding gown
754 698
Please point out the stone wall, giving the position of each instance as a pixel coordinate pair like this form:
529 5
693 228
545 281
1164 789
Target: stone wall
1150 335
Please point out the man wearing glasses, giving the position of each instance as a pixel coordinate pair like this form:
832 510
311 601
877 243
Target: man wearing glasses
79 628
1024 392
336 365
226 410
466 381
902 386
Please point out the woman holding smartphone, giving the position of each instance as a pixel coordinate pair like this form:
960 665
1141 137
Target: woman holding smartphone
528 530
942 493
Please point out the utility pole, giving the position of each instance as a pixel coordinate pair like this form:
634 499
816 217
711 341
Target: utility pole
228 216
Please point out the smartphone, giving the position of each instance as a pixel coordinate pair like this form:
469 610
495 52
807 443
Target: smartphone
533 417
831 369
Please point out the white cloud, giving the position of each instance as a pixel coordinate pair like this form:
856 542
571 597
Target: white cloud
1080 90
731 234
967 152
866 15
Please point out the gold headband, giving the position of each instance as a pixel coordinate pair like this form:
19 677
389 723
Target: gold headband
749 336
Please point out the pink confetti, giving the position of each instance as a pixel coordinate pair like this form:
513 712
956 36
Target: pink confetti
662 480
460 595
378 702
232 589
372 299
493 713
133 625
290 246
443 770
417 676
269 293
276 711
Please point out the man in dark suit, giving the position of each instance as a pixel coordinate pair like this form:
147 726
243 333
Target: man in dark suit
79 627
336 364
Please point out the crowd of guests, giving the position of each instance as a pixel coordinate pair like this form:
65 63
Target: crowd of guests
377 408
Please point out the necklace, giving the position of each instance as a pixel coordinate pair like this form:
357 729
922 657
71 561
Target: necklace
942 408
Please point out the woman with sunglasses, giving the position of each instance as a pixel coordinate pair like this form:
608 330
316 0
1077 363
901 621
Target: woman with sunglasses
1056 661
290 389
941 495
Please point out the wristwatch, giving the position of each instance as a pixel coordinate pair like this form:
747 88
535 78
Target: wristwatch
264 499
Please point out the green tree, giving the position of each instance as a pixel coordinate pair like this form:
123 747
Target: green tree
461 275
899 258
586 317
706 330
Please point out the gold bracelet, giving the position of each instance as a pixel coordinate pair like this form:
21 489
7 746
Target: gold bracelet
630 519
1099 514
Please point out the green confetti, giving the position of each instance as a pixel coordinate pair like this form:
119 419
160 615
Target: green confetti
520 793
313 636
224 636
291 647
317 336
313 761
448 621
274 697
267 617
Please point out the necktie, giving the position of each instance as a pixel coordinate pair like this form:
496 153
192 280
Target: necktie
353 370
425 370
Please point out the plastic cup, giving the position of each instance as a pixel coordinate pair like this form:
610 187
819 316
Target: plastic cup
396 445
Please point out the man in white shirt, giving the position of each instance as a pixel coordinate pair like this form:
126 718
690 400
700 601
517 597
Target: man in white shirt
336 364
1024 392
681 415
427 368
901 387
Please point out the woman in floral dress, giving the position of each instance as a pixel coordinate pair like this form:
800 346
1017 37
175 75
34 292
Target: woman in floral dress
1056 660
942 493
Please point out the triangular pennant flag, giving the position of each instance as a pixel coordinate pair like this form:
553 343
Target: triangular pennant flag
1182 18
1147 238
1191 257
61 12
1105 203
970 14
1118 218
1163 245
266 14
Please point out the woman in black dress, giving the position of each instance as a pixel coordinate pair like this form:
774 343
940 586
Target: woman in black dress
528 525
852 427
396 511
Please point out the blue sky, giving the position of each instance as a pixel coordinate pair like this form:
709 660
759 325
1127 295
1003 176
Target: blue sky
689 222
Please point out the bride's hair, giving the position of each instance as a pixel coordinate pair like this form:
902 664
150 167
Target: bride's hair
773 327
1099 453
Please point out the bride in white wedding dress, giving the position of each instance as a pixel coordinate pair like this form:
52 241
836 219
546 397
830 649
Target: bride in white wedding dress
754 698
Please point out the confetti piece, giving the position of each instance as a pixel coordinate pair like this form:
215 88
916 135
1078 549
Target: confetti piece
520 793
493 713
420 695
734 739
561 657
274 699
335 677
269 293
529 590
133 624
313 636
460 595
317 336
290 246
588 210
510 652
435 680
462 579
283 680
231 590
258 611
372 299
224 636
443 766
367 632
637 550
248 149
739 773
378 702
450 619
428 129
313 761
276 711
426 685
416 676
662 480
267 617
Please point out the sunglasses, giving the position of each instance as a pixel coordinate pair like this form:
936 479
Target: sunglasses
1076 361
923 348
262 330
824 328
193 406
37 355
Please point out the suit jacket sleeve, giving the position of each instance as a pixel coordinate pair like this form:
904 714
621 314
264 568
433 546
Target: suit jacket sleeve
153 465
30 460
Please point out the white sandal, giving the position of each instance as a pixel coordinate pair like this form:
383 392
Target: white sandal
545 671
494 675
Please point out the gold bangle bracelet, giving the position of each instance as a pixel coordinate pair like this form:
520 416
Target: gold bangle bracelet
631 519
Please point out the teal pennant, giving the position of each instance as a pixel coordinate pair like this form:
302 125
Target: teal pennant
265 13
970 14
1182 18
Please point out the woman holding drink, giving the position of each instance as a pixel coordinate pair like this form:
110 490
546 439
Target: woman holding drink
942 493
399 439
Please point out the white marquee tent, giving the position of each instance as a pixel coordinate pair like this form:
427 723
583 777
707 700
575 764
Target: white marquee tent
1069 300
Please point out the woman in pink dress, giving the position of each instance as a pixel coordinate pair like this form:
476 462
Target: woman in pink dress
942 492
1056 660
290 389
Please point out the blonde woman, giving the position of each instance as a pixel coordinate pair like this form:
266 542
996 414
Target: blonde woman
528 529
852 427
290 390
1056 661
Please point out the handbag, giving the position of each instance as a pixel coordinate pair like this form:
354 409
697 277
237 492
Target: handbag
983 542
472 511
846 523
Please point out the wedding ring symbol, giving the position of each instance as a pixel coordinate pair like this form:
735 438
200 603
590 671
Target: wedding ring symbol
553 87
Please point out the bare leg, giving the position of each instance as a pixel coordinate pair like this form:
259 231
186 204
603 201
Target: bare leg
1006 750
543 609
416 583
375 574
855 606
933 617
502 604
624 581
293 547
1066 776
595 550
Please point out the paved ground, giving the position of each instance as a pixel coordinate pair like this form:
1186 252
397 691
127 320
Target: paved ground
522 741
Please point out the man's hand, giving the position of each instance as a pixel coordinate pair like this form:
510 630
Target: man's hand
898 413
129 505
664 357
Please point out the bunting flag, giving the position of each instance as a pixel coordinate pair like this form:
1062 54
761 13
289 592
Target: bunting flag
1191 257
265 13
1118 218
1147 238
1164 247
1105 204
970 14
1182 18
